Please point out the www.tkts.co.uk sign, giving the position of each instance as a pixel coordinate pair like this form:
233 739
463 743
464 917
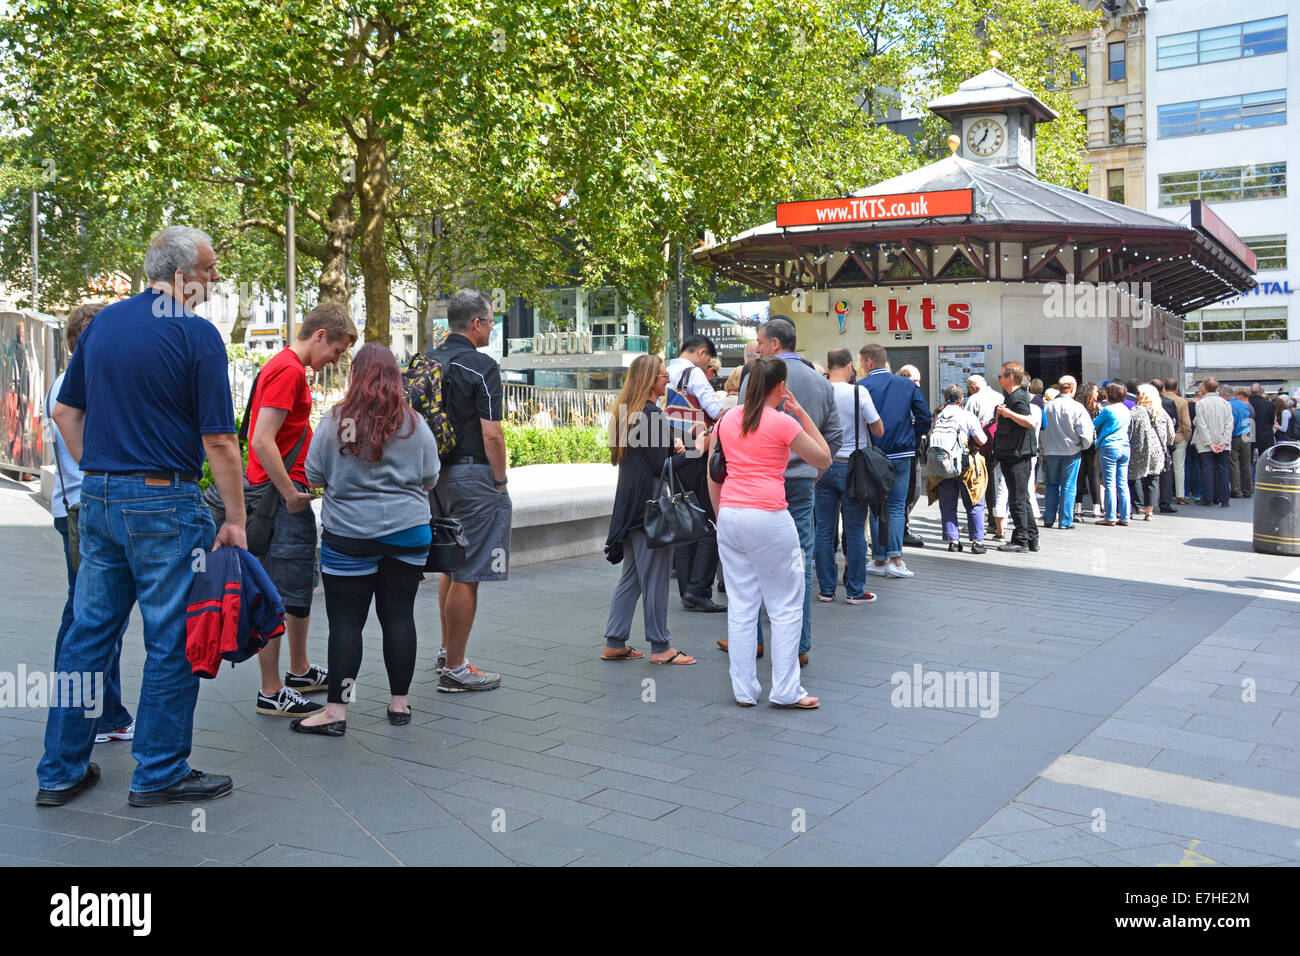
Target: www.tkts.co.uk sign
824 212
896 316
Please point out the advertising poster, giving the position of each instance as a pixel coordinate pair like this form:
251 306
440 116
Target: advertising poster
23 346
959 362
730 325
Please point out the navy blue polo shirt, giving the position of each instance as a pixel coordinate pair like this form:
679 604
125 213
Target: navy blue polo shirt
151 377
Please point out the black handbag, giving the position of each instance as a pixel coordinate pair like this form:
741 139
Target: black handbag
870 475
448 547
718 460
675 517
260 501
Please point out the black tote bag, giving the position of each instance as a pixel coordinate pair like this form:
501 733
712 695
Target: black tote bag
675 517
870 475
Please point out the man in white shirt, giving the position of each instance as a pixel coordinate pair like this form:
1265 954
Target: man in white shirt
858 416
1067 432
1212 436
689 373
696 563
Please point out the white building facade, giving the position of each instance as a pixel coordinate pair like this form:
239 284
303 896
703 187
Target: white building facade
1221 80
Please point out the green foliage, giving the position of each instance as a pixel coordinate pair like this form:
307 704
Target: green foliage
526 445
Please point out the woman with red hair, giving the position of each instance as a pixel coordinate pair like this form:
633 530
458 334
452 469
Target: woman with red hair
376 459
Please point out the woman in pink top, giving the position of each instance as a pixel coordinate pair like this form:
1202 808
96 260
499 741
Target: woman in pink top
757 539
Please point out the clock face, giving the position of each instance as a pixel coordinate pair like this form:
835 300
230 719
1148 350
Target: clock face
985 137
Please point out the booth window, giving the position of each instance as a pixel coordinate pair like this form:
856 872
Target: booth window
1269 250
1115 61
1266 324
1222 114
1225 184
1115 185
1231 42
1116 114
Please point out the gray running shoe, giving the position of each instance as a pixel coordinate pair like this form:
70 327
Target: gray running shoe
471 678
442 661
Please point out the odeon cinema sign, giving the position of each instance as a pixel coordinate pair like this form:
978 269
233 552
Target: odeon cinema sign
895 315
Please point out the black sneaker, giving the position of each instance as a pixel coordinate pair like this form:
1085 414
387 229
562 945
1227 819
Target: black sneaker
442 661
471 678
287 703
57 798
314 678
195 788
911 540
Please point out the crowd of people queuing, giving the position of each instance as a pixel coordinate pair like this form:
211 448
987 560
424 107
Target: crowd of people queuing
389 461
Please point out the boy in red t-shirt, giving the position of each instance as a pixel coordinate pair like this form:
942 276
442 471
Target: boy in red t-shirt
280 416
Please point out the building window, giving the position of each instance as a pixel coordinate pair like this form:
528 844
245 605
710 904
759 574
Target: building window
1237 325
1232 42
1079 70
1115 61
1226 184
1115 185
1116 126
1222 114
1269 250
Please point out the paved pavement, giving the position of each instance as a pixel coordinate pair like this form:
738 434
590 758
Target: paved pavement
1147 713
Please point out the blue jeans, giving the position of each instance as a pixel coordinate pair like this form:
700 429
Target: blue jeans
1114 481
115 716
1192 471
831 502
897 504
137 545
1062 475
799 502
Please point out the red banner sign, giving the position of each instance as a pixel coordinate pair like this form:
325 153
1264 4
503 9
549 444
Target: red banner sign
1204 219
828 212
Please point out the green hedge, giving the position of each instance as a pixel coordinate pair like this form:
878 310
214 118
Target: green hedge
527 445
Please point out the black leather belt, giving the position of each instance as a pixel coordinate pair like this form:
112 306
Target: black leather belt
188 477
467 460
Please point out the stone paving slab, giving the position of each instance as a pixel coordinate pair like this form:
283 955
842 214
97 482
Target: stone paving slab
1125 645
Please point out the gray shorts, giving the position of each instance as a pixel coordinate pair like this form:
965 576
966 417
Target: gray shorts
468 493
291 561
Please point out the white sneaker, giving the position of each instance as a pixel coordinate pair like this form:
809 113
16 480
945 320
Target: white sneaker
898 571
126 733
877 569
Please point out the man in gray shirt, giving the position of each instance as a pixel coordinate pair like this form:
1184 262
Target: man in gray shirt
812 391
1067 431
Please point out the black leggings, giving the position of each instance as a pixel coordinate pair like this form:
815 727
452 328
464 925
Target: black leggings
347 605
1089 477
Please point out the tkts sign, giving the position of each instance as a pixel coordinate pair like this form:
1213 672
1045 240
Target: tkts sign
896 316
826 212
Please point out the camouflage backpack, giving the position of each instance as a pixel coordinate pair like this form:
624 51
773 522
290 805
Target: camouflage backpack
423 380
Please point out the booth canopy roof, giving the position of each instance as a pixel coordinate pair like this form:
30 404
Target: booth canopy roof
1187 269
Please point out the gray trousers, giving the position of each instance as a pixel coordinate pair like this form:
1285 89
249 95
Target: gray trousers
645 576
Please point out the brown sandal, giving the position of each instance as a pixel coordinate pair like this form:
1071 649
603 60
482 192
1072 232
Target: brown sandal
628 655
673 660
800 705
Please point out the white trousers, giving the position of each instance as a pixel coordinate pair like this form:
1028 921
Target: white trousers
1003 507
763 564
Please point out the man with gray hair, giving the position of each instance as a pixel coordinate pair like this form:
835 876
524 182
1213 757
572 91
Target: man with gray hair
1067 432
146 396
1212 436
776 339
472 485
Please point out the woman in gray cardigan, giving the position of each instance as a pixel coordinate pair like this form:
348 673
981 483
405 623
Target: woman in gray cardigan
376 459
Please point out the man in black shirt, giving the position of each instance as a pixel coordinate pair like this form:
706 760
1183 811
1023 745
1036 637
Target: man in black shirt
1014 446
1264 416
472 485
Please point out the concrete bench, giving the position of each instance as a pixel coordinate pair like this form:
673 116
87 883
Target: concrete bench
560 511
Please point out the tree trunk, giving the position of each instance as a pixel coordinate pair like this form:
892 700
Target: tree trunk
375 191
338 246
656 324
243 312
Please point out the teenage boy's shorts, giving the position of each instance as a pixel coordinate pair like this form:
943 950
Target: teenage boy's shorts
468 493
291 562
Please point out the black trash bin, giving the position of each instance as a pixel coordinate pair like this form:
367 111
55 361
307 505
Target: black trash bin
1277 500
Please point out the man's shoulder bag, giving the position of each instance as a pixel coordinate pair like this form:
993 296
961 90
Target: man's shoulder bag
447 551
870 475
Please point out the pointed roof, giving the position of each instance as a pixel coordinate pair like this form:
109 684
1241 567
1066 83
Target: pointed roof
987 91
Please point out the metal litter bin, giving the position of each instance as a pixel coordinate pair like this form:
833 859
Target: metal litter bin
1277 500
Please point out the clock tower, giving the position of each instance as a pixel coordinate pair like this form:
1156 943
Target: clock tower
995 118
